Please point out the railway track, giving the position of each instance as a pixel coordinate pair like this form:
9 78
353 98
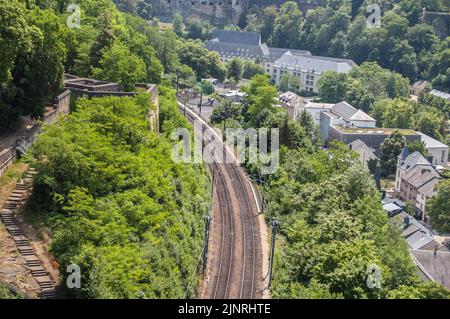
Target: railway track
234 269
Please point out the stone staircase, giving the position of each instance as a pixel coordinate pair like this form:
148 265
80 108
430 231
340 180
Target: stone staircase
7 214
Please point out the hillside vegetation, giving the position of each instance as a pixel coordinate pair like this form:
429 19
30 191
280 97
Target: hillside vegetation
118 206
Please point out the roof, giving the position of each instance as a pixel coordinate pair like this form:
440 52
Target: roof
312 105
248 38
246 45
445 96
349 113
421 84
405 152
388 199
276 53
365 153
415 234
431 142
314 64
413 160
420 175
436 265
235 49
428 188
391 207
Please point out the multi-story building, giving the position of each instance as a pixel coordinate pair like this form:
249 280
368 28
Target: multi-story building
276 61
307 68
246 45
438 151
415 180
295 104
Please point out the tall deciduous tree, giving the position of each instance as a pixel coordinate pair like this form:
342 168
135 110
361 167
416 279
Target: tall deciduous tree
390 150
120 65
439 207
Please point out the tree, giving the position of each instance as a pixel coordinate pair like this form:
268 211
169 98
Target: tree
194 29
107 185
430 122
332 87
226 110
390 149
418 146
251 68
13 35
178 24
395 113
186 76
120 65
439 207
287 26
235 69
201 60
260 100
268 21
38 75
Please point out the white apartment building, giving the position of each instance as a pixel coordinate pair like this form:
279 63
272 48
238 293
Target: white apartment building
307 68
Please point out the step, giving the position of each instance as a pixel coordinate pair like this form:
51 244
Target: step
44 285
23 243
16 199
19 192
34 264
32 258
26 248
39 273
53 295
16 232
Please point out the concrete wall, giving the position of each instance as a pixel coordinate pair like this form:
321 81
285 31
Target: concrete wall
371 140
440 155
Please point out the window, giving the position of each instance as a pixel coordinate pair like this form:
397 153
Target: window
443 156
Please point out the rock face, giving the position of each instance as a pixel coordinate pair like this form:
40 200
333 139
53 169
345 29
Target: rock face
219 12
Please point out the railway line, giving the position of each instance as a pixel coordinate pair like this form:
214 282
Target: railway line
234 270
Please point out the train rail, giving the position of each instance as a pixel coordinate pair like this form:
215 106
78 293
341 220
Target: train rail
234 269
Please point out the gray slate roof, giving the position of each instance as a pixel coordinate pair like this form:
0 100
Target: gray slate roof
348 112
248 38
245 45
428 189
420 175
235 49
436 266
365 152
431 142
413 160
313 63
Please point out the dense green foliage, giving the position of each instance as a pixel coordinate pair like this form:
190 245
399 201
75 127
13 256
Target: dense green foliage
38 46
333 228
32 57
439 207
385 95
118 206
6 293
339 28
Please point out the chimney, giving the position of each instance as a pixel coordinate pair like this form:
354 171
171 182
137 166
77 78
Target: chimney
406 221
